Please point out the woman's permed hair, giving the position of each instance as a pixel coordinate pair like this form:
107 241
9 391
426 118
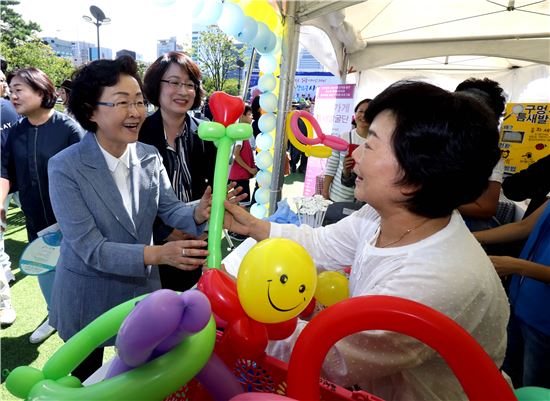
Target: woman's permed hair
89 82
39 82
445 143
154 74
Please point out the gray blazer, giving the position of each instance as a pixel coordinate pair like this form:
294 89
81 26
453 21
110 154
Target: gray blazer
101 261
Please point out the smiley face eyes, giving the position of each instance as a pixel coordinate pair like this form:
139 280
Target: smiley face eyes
284 278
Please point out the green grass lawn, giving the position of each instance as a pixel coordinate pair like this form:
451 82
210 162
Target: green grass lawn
16 350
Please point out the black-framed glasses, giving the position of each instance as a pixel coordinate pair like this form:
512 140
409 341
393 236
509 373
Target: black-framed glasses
189 86
124 105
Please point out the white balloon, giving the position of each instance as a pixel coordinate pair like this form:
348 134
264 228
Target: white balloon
258 210
267 82
232 19
268 64
268 102
263 178
267 122
264 141
264 160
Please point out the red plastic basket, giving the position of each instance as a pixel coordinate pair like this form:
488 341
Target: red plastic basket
267 376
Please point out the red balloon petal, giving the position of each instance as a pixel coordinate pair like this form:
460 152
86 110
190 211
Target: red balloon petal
225 108
221 291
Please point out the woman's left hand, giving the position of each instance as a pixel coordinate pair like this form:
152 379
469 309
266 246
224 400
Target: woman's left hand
202 211
505 265
348 165
234 195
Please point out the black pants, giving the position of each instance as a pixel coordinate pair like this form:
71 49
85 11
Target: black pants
175 279
89 365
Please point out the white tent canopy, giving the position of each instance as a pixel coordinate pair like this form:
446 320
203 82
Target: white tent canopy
377 33
376 42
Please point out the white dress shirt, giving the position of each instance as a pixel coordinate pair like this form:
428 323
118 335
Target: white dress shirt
120 170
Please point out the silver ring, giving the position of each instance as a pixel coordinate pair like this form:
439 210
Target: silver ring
183 252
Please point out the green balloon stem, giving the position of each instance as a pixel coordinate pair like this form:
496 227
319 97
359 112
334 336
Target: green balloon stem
215 225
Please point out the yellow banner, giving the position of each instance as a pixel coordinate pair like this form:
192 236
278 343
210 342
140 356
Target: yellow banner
524 135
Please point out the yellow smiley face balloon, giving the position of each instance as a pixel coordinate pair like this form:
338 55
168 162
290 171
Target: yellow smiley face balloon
276 280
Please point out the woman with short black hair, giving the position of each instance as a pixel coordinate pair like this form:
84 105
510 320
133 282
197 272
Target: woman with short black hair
427 152
106 193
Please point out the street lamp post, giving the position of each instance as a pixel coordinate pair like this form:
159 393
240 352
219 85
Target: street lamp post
100 19
240 64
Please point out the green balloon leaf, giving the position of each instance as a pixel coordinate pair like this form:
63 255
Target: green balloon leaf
211 131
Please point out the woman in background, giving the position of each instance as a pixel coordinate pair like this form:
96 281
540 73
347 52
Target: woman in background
336 185
173 84
32 141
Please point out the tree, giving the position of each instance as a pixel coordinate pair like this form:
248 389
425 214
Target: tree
216 55
37 54
12 26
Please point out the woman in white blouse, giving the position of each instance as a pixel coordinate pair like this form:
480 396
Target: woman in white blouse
428 151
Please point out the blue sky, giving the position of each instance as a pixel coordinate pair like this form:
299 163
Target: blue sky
135 25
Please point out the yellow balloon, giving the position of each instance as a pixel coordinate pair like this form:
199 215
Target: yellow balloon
320 151
276 280
332 287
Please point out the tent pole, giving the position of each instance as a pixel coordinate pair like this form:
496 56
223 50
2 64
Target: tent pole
249 73
289 55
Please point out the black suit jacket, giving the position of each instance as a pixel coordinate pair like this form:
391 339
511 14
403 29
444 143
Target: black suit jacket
202 160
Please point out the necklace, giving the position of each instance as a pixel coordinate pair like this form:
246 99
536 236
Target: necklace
410 230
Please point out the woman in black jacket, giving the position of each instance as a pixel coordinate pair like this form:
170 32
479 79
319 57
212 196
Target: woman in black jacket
31 142
173 84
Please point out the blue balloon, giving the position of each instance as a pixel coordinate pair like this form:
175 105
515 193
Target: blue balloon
267 46
248 30
266 123
197 8
268 64
263 178
232 19
267 82
268 102
262 37
262 195
264 160
210 13
264 141
258 210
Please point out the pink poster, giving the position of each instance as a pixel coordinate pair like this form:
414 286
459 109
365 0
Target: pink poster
333 110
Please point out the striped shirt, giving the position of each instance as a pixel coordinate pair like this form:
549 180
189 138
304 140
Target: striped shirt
179 158
335 165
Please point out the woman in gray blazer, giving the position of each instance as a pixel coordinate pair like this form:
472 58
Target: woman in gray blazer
106 192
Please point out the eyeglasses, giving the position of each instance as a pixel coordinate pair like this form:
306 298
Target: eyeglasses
189 86
124 105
